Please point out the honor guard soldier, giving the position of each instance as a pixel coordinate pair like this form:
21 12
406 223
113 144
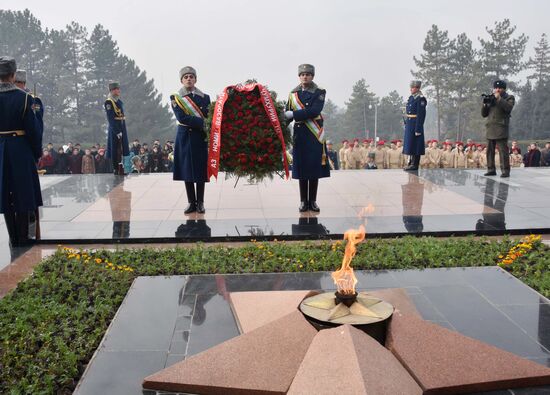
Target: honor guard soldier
117 139
309 159
190 107
38 107
20 149
497 109
332 156
413 144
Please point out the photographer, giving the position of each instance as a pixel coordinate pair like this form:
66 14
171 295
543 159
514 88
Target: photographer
497 109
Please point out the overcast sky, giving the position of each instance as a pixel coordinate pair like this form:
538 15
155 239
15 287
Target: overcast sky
231 41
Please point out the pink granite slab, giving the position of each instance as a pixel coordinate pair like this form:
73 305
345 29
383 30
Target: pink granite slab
263 361
345 360
445 362
254 309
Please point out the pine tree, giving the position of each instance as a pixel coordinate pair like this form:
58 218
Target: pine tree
76 36
540 66
463 82
390 115
432 68
502 54
358 117
333 121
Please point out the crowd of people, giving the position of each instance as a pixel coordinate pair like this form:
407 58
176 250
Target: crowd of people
72 159
447 155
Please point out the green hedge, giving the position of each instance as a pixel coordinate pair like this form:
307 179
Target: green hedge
51 323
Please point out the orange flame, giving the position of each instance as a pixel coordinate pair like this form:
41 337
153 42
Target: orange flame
344 278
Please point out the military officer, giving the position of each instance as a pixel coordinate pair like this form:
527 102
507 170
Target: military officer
309 163
20 149
117 139
414 126
497 109
332 156
190 107
38 107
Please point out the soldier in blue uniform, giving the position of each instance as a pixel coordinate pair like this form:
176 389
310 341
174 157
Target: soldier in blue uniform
38 107
190 107
415 115
20 149
117 139
309 152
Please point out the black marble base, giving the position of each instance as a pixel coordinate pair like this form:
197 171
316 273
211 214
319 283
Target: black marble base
165 319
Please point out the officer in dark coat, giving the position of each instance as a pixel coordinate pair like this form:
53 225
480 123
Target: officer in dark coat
190 107
332 156
20 149
117 139
413 139
497 109
38 107
309 152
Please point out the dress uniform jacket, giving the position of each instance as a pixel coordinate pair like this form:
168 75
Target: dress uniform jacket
191 148
498 117
307 150
342 158
394 159
19 151
461 160
117 124
416 114
448 159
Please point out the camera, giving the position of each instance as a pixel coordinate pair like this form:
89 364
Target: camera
488 99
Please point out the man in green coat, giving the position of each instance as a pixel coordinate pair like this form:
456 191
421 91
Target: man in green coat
497 109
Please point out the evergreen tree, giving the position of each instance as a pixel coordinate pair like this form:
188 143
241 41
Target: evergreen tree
390 115
333 121
502 54
76 37
432 68
463 85
358 117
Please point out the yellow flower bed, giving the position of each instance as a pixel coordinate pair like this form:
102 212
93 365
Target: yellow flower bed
520 249
88 257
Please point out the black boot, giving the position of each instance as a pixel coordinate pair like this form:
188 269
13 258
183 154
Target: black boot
22 228
200 198
9 218
303 196
190 190
410 164
313 186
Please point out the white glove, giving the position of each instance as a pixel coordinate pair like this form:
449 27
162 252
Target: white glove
119 135
289 114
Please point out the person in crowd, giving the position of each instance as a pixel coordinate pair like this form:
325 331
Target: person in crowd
413 144
190 106
353 157
380 155
137 166
135 147
117 139
497 109
532 156
309 160
461 159
88 162
545 155
516 160
75 162
156 165
46 162
394 157
447 156
434 156
515 146
61 162
20 149
102 164
144 160
342 154
371 164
